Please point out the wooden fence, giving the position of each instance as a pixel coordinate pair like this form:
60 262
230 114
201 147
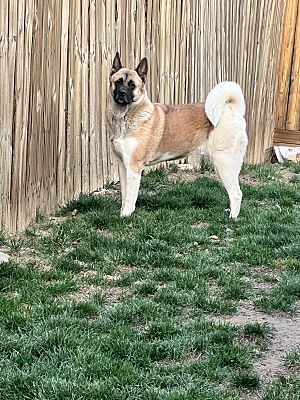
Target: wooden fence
287 128
55 58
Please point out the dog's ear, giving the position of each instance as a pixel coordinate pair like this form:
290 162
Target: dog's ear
142 69
116 64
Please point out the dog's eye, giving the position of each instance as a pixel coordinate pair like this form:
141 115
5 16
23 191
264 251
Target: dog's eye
131 84
119 81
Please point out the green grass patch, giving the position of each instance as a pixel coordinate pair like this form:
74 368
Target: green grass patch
262 172
284 295
103 307
284 388
292 360
246 381
256 330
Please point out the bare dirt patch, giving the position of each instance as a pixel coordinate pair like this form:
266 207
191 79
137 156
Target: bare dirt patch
113 193
58 219
249 180
84 294
263 278
112 294
87 274
12 295
259 283
189 173
106 233
187 315
121 271
186 360
201 225
285 337
184 176
28 256
286 175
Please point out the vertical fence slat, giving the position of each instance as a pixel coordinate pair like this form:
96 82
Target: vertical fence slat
103 76
54 90
34 150
17 128
5 113
63 103
172 52
98 94
155 77
85 65
149 44
77 115
110 19
287 128
69 158
93 86
293 112
166 52
286 56
177 50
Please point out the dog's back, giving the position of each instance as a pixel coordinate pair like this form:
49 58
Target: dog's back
181 129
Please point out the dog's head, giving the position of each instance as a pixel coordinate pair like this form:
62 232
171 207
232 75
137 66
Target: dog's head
127 86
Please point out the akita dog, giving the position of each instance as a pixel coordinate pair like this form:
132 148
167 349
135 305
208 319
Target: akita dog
144 133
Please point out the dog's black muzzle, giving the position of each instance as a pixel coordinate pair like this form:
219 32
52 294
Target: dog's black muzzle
123 95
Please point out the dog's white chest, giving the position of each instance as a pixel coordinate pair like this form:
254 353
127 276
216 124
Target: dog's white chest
125 147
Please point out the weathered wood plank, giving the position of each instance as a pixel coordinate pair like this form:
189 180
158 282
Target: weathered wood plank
284 137
8 23
293 112
17 217
85 65
286 57
63 103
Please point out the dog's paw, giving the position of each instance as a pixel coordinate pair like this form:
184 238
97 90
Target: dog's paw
4 258
233 215
126 213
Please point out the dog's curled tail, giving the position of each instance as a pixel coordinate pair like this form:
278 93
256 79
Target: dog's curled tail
223 95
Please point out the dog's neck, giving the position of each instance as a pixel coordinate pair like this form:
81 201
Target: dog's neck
140 110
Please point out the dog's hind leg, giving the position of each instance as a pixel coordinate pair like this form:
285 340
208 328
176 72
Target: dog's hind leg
228 166
133 180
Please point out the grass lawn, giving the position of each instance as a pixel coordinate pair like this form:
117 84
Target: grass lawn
172 303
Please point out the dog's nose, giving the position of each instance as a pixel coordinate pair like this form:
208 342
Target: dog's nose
122 96
122 92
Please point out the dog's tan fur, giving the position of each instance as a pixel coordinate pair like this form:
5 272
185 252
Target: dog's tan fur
143 133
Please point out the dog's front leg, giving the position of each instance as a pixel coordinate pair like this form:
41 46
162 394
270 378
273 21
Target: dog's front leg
133 180
122 176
